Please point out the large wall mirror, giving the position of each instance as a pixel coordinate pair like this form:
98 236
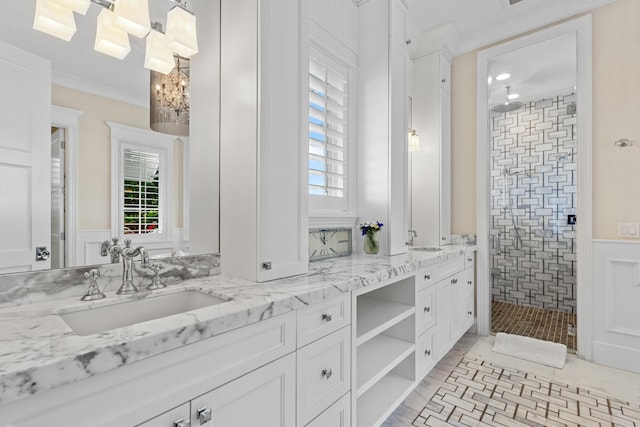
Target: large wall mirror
99 127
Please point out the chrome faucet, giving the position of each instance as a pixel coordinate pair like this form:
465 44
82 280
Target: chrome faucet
412 234
111 248
128 254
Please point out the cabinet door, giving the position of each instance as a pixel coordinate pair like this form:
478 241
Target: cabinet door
170 418
425 310
443 318
265 397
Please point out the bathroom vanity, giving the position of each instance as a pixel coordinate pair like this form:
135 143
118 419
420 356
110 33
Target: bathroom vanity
342 345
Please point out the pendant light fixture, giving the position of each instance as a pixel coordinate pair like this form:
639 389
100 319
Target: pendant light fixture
169 99
55 20
132 16
158 57
116 21
111 40
181 32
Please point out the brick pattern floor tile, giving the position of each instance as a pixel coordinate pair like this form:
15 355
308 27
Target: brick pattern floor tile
478 393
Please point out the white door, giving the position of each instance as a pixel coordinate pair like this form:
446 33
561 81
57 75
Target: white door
57 198
25 120
265 397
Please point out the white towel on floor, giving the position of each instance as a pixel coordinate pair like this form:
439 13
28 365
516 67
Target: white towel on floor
534 350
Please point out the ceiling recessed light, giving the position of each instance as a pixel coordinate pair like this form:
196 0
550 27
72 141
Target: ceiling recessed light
513 96
503 76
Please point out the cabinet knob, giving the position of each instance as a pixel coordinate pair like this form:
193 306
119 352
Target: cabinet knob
454 281
326 373
427 277
469 259
327 317
470 312
444 80
181 422
427 309
469 282
427 352
204 415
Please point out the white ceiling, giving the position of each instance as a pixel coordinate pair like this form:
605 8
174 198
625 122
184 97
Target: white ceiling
471 24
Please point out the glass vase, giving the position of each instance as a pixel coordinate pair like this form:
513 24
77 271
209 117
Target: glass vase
371 244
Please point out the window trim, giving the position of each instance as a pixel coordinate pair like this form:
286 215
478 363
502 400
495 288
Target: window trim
123 137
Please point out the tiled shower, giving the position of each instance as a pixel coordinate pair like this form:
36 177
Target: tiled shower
533 204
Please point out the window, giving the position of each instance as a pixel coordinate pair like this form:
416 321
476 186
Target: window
328 131
141 192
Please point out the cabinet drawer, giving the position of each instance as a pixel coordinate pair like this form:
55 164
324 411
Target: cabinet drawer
169 418
449 267
321 319
324 373
425 353
469 259
425 278
425 310
338 414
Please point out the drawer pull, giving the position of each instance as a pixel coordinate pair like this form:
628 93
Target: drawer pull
470 312
181 422
204 415
454 281
469 282
326 373
469 259
427 309
427 277
427 352
327 317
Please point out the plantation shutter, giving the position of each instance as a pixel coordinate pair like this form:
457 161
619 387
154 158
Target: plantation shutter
141 192
328 127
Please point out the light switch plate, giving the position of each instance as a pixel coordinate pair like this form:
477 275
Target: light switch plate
629 230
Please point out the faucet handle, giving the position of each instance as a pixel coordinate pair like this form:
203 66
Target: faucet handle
155 282
93 292
127 243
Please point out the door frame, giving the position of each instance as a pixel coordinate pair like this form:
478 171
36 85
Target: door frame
67 119
582 28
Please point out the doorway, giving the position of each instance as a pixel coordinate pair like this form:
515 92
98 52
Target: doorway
534 174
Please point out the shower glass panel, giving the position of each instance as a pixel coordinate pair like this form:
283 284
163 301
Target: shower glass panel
533 205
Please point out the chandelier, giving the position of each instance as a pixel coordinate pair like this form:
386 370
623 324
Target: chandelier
169 107
118 20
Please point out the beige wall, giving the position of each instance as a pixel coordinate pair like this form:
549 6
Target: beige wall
616 114
94 153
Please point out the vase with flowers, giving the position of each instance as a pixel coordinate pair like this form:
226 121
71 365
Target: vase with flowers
370 231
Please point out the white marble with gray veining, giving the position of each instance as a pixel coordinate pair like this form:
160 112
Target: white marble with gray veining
39 352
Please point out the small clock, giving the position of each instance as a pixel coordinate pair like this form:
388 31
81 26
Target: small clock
329 243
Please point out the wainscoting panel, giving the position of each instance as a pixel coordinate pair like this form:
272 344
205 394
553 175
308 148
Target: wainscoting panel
616 304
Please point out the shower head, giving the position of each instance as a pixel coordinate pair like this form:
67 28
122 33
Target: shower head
507 106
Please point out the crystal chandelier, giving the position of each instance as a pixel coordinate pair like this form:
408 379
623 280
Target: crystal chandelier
170 99
118 20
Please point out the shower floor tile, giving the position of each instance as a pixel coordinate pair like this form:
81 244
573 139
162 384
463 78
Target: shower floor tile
534 322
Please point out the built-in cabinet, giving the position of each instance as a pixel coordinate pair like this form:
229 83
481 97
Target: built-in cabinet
431 166
382 119
263 171
346 361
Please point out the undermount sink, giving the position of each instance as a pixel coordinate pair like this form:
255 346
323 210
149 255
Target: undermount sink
86 321
426 248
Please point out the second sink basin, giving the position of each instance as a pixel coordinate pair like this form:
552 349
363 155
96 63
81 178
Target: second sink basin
86 321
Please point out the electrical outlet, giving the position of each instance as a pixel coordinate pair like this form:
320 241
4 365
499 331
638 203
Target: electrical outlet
629 230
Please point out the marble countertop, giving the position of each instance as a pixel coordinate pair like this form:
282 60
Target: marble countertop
39 351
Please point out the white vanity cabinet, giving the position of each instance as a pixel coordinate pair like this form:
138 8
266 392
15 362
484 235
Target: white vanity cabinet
431 167
263 178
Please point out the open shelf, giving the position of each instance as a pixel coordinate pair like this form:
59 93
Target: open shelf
380 401
377 357
376 315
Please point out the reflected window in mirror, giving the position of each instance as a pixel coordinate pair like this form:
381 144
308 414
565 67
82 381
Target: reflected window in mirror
146 186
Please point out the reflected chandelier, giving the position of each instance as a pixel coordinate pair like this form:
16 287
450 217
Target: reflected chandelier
170 101
117 20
